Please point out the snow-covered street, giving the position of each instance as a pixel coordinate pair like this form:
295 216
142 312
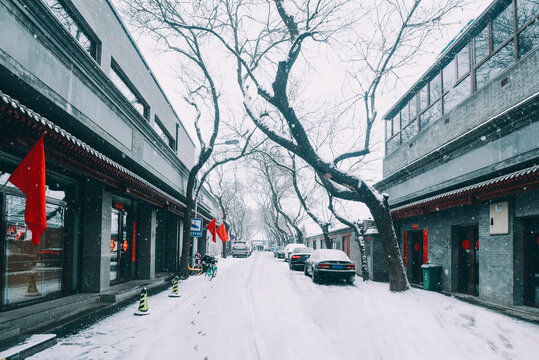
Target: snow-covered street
256 308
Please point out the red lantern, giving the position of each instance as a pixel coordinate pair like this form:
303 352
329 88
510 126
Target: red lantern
416 247
125 245
465 244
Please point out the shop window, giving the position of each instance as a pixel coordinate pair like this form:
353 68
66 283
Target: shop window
128 90
409 131
393 144
413 108
433 113
527 10
481 45
495 65
463 62
405 115
74 27
396 124
424 98
435 88
32 272
502 27
449 75
528 39
456 95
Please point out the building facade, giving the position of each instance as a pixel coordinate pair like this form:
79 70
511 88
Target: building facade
117 155
461 164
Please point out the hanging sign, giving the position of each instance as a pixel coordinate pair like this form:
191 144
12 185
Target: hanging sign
125 245
112 244
196 227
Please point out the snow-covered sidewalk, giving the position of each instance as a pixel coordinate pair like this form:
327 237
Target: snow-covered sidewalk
256 308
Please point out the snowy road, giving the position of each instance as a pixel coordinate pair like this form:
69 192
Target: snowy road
256 308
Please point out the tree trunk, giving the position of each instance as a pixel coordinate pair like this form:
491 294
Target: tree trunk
386 233
187 217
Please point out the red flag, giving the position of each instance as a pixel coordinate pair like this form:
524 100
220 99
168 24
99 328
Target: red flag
221 231
211 229
29 176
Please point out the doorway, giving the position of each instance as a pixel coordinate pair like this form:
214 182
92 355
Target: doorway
416 242
468 259
531 262
120 248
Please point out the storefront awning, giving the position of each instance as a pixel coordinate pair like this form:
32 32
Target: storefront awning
25 126
515 182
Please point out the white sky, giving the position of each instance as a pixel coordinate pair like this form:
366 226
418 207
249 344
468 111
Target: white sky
324 83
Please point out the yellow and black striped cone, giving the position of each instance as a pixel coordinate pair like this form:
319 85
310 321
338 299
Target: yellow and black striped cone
31 290
143 304
175 287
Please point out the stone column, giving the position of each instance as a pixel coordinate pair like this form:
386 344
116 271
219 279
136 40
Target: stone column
96 238
146 241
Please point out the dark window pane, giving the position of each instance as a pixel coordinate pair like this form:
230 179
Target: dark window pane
433 113
457 94
409 131
495 65
413 107
481 45
71 26
405 115
423 98
127 92
450 75
528 39
396 124
502 27
463 61
526 11
393 144
435 88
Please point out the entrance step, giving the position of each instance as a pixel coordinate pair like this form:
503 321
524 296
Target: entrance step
30 346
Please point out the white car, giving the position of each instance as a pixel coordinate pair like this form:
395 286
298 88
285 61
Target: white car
289 248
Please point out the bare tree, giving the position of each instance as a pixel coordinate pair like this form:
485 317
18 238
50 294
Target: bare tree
267 45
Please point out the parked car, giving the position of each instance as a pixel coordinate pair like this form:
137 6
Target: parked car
298 257
288 249
240 248
279 253
328 264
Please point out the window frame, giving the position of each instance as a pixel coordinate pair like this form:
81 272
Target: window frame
171 143
123 77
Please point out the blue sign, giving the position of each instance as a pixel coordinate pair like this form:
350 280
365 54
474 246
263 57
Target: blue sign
196 227
232 237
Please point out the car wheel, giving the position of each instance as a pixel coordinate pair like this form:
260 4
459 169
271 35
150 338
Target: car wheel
351 279
305 271
316 277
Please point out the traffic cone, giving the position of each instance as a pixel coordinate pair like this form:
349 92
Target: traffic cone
143 304
31 290
175 287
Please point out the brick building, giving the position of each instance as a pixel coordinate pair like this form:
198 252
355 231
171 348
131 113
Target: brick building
117 159
462 160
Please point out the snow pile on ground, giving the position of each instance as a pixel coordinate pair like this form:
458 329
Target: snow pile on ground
256 308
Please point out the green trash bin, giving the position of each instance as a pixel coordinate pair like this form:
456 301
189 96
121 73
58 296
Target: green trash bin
432 277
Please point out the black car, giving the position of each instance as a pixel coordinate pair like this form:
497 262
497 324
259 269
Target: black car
298 258
327 264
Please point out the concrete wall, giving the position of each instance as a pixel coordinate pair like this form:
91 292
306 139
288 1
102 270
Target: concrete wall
80 87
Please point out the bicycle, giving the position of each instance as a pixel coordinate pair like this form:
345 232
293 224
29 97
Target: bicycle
209 264
196 270
211 272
